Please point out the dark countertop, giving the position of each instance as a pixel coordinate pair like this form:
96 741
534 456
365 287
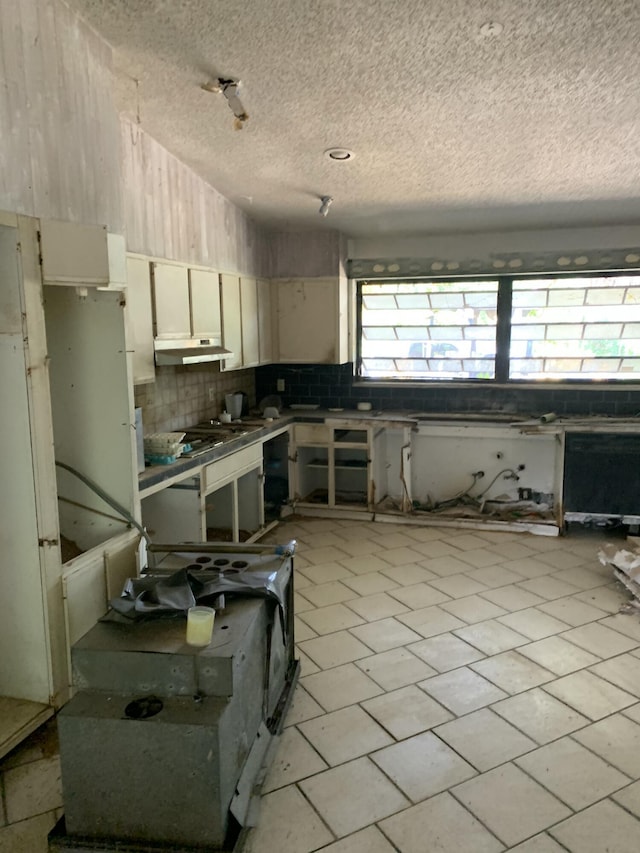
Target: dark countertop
182 468
154 475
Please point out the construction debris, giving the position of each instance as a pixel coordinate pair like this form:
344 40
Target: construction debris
626 566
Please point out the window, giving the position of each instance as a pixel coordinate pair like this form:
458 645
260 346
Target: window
546 328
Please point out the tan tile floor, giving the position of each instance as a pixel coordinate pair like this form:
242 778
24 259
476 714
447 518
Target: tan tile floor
465 692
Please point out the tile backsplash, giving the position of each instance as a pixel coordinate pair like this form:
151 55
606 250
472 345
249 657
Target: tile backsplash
182 396
333 385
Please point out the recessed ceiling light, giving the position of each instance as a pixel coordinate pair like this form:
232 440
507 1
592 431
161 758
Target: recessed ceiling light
491 30
341 155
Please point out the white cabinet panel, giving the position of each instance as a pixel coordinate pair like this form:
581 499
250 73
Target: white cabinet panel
231 320
24 670
312 321
139 319
229 467
74 254
175 514
265 322
249 322
10 303
117 253
172 315
246 321
311 433
206 321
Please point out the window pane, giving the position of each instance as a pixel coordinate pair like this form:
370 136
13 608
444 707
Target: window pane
440 330
575 328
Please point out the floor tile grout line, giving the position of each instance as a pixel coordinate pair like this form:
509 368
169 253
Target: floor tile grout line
559 797
597 755
451 793
608 680
385 836
315 811
400 791
536 782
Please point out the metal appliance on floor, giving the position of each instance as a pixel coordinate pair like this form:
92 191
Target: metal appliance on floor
166 744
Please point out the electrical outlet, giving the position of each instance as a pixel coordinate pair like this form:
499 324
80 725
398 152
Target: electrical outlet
212 395
280 385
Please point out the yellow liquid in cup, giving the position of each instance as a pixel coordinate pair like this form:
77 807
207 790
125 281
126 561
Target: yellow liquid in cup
200 625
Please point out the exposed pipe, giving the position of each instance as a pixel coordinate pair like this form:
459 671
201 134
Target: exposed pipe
107 499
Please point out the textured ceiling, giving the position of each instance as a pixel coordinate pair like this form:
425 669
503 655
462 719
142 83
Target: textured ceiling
538 126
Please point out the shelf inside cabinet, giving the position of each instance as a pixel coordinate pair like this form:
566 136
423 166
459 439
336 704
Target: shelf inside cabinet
18 719
348 464
351 498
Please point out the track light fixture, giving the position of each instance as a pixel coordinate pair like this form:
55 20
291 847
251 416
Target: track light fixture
230 89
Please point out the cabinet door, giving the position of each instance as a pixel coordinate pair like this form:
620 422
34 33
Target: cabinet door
231 322
172 316
249 321
205 304
74 254
265 320
139 320
309 321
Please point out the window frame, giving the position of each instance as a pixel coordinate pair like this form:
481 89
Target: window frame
503 333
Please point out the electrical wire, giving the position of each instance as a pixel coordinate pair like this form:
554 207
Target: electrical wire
107 499
512 476
465 497
460 496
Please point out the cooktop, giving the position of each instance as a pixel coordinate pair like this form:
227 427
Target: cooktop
204 436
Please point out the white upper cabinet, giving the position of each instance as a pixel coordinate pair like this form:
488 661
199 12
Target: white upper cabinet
246 321
172 314
249 322
73 254
139 322
312 320
117 252
265 321
231 321
206 321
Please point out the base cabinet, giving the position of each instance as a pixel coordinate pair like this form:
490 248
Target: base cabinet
332 466
223 503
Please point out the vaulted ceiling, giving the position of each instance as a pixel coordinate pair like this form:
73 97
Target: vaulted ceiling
460 115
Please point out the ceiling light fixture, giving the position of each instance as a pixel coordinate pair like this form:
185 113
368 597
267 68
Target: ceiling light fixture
491 30
326 201
340 155
230 89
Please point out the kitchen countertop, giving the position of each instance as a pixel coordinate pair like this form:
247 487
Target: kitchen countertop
157 476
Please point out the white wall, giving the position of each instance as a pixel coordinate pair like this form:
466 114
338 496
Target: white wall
67 154
172 213
60 150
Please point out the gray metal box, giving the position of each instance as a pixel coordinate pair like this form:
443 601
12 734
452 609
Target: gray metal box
153 657
169 778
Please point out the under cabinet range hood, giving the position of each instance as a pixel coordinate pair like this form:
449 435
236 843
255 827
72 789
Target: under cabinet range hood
189 351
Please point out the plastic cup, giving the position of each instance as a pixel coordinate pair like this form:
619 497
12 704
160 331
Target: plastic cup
200 625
